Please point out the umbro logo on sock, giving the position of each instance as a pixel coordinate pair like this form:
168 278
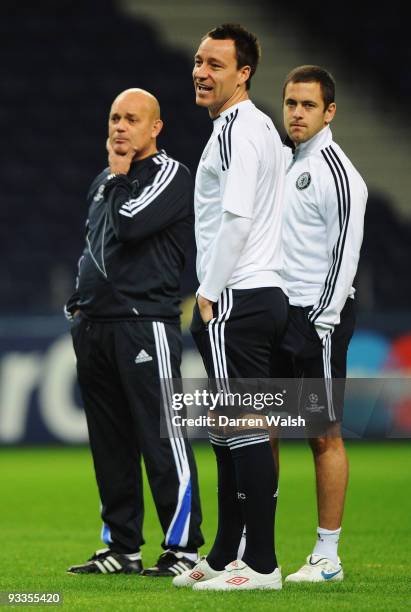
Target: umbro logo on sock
142 357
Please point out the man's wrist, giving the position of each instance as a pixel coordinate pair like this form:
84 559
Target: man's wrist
204 293
323 329
113 175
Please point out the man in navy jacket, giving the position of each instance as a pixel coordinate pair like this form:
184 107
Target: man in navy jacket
126 335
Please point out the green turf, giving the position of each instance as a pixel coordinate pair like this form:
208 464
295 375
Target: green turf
49 520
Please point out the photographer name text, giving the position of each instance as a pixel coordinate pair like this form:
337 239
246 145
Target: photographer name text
224 421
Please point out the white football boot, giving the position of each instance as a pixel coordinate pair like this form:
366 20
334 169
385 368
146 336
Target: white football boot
199 573
238 576
318 569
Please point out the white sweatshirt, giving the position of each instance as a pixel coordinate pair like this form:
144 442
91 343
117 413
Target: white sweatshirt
241 172
325 200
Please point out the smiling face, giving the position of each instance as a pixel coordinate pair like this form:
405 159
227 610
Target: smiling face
304 111
218 82
134 123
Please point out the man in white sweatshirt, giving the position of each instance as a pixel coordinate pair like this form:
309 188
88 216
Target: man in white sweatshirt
325 203
241 310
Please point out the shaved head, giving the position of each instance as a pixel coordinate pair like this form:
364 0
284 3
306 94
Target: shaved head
142 98
134 123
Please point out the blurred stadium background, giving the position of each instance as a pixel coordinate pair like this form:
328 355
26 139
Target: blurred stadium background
63 62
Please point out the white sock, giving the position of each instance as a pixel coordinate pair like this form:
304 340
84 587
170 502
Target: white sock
327 543
243 542
191 556
134 556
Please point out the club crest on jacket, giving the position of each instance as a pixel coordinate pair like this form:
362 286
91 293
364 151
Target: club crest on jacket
303 180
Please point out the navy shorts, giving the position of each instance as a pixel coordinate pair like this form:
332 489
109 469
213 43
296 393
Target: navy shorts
240 345
319 365
243 338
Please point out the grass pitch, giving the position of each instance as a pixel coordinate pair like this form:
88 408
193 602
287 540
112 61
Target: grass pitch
49 520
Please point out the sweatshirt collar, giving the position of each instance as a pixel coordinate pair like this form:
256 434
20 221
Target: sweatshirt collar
322 139
244 104
157 158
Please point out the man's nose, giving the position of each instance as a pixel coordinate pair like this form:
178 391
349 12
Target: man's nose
201 72
121 125
297 111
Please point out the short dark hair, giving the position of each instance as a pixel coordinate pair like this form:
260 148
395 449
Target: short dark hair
247 47
316 74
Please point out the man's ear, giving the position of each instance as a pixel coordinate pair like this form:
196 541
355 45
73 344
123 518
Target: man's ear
245 72
157 127
330 112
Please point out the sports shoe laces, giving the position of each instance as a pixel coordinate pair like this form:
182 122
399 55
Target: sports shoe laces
319 562
305 570
102 552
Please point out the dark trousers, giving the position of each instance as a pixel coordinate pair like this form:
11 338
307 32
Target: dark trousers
124 371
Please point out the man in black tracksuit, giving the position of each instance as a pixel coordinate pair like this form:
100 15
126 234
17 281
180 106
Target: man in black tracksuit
127 341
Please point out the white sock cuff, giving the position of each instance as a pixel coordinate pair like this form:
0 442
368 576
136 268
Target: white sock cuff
323 531
134 556
192 556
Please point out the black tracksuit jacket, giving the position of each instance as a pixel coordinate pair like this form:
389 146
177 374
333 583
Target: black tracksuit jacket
136 234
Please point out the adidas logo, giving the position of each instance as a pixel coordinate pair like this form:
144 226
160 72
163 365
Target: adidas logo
142 357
